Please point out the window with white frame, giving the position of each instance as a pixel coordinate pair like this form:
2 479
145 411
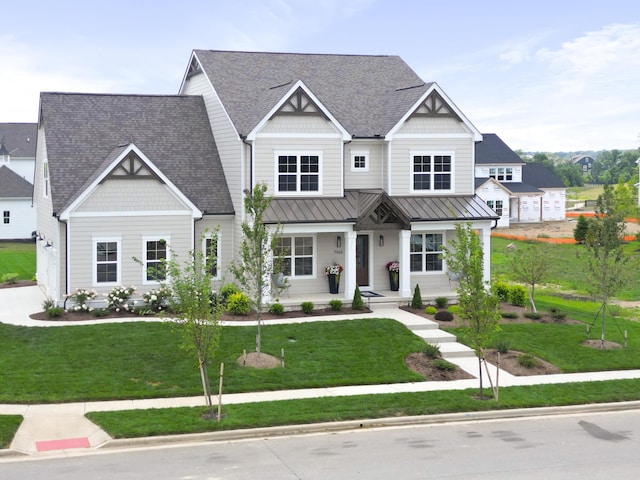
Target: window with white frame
106 261
6 217
502 174
45 178
431 172
298 173
296 254
425 253
359 161
156 254
211 250
496 205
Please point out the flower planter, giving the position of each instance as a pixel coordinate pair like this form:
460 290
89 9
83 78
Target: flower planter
334 283
394 281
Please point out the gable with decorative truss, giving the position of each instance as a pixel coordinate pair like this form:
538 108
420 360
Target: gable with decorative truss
383 214
132 167
435 106
299 103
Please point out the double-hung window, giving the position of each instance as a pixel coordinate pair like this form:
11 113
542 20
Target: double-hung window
425 254
212 254
106 261
295 255
6 217
496 205
156 254
431 172
298 173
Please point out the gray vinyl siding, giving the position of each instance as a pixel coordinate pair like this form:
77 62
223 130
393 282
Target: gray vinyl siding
298 124
331 164
131 230
374 177
433 125
225 227
131 195
463 149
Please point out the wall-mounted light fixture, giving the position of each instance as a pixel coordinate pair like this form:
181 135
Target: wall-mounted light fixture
381 241
338 241
48 245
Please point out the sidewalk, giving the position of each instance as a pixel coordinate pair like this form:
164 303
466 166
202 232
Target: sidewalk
60 428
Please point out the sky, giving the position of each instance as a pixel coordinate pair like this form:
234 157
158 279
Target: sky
546 76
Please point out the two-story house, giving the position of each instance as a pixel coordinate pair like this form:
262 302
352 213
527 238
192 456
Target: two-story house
366 164
17 161
517 191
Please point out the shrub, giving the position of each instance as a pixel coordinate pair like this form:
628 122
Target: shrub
226 291
444 316
509 314
10 278
501 290
518 295
307 307
430 310
156 299
54 312
357 303
416 301
431 350
118 298
503 344
48 303
80 298
336 305
444 365
276 308
533 315
100 312
556 313
581 229
527 360
441 302
455 309
615 310
239 304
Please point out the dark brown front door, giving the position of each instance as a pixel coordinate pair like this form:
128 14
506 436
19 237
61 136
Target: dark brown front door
362 260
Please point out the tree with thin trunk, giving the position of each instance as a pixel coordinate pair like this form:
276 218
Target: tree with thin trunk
530 265
608 265
258 254
479 308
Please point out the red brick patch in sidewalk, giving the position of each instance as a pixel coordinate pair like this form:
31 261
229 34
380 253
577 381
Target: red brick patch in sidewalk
63 444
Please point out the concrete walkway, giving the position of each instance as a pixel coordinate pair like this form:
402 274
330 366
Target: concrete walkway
62 428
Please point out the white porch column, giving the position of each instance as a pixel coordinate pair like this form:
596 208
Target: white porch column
349 274
404 241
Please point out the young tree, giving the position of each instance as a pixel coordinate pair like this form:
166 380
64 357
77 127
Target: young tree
531 265
479 308
258 253
608 264
580 231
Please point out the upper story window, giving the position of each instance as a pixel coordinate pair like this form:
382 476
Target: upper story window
426 251
45 178
359 161
6 217
106 255
297 256
298 173
502 174
156 256
432 172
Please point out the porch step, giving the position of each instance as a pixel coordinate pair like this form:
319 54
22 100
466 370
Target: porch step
455 350
434 335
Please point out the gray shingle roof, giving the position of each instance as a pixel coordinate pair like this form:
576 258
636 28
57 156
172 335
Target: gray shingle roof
82 131
367 94
355 203
492 150
19 139
13 185
539 175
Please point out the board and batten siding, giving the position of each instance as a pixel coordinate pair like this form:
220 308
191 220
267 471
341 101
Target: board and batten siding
374 175
131 195
330 149
401 163
131 232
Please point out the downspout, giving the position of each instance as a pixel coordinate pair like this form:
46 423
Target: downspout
244 140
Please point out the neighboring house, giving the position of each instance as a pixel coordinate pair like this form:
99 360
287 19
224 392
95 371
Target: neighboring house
17 161
366 163
517 191
585 162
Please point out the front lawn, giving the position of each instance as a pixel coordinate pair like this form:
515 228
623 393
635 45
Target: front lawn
8 427
18 257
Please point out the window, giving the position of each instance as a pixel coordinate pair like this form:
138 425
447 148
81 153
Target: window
501 174
359 161
45 177
425 252
298 173
156 255
212 254
297 256
432 172
6 217
496 206
107 262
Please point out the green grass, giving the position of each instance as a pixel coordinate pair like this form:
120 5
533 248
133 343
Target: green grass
145 360
17 257
8 427
142 423
588 192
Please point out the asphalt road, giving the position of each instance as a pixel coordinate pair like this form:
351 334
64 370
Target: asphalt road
593 446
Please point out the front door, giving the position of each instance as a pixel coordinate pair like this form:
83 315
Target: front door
362 260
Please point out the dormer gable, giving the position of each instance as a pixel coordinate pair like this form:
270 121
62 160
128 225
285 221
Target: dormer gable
435 106
132 167
299 103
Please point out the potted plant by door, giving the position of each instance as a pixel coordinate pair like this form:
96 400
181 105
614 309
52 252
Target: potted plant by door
333 275
394 275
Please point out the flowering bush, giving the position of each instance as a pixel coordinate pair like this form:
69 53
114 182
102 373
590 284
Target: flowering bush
80 298
118 298
393 266
155 299
335 269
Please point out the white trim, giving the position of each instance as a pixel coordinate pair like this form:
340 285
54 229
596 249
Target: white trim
432 153
203 246
152 213
360 153
94 274
314 255
424 253
313 228
153 238
297 154
65 215
432 135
